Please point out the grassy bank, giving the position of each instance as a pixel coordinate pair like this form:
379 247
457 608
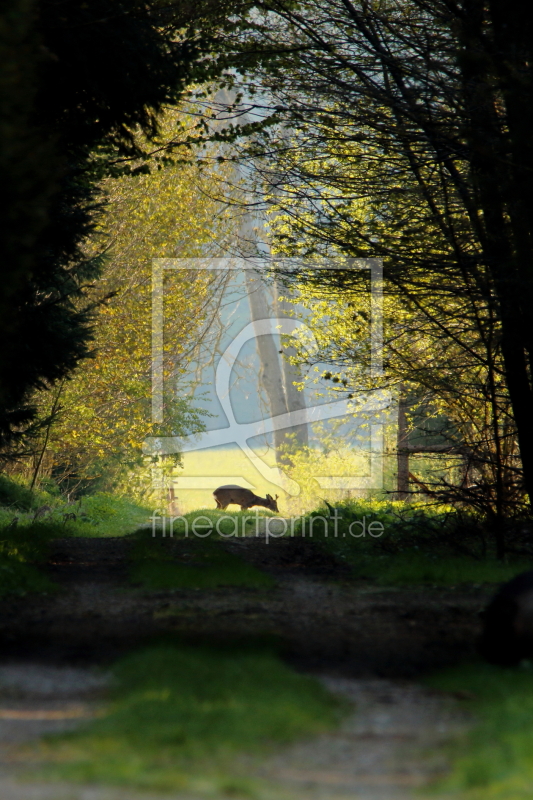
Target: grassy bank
22 551
495 760
30 520
401 544
382 542
179 715
99 514
415 568
210 523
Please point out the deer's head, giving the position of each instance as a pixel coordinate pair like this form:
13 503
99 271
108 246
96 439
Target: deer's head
271 502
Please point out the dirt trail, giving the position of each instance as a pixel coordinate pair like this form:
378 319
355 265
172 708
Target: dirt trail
364 642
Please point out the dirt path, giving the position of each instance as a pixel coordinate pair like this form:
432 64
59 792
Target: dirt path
369 644
384 751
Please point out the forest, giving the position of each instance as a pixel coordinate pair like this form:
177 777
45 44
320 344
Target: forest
269 255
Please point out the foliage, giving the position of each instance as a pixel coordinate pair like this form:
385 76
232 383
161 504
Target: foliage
15 494
45 514
78 84
438 363
495 759
180 714
157 564
393 543
104 411
389 123
338 456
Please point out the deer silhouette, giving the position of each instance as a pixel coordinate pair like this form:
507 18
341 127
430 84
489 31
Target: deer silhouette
226 495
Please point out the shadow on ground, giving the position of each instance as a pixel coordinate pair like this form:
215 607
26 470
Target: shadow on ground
366 643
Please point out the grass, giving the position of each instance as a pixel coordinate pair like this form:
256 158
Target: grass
401 544
107 515
230 465
158 564
97 515
413 568
22 550
15 495
19 579
412 544
30 520
495 760
180 714
211 523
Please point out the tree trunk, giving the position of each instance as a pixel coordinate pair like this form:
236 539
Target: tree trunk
270 374
499 84
291 374
53 412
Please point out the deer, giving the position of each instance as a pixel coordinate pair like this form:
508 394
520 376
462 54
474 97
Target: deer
226 495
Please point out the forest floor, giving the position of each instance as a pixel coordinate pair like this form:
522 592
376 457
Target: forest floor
369 644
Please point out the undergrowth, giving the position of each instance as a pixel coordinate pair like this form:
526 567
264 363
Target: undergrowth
92 515
180 714
30 520
402 544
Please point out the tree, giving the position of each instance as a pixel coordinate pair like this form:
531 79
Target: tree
79 80
454 408
104 410
400 136
277 376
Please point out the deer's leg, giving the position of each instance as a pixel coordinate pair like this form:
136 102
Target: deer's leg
219 504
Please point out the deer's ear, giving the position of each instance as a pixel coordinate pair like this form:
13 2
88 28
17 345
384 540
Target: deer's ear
269 497
276 497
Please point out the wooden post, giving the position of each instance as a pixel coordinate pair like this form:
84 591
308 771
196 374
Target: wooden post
402 485
173 510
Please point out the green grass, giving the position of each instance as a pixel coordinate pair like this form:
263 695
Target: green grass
107 515
93 515
418 545
15 495
228 461
180 714
30 521
216 524
18 578
413 568
158 564
22 550
495 760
